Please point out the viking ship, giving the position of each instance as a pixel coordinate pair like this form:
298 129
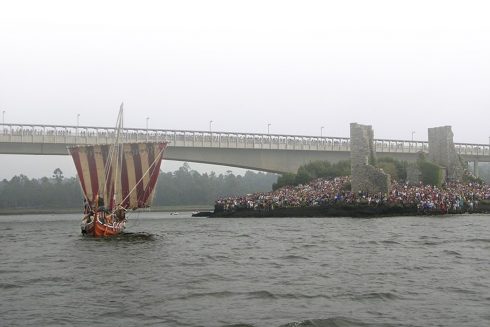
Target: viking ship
114 179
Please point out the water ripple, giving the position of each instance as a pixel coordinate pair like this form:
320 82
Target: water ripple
408 271
334 322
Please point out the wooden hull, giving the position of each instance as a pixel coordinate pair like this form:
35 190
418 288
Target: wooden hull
97 228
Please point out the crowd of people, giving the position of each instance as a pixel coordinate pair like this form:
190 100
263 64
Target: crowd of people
452 197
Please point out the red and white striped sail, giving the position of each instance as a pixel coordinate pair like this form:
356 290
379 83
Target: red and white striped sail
137 174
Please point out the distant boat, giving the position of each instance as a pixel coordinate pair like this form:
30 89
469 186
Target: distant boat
174 213
115 178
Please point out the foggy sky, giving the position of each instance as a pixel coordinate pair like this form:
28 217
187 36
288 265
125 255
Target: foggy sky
400 66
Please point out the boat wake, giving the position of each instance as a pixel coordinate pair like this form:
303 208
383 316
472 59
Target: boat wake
125 237
333 322
137 236
330 322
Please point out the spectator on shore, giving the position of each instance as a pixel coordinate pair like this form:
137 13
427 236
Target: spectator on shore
452 197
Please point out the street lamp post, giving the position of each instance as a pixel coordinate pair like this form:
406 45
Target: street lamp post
268 128
3 117
78 124
210 122
413 132
321 131
147 119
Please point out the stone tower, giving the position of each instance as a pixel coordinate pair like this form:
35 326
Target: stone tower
443 152
365 176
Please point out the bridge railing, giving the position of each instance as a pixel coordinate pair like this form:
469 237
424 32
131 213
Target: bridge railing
23 133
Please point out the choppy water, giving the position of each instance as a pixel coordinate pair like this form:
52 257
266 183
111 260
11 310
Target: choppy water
410 271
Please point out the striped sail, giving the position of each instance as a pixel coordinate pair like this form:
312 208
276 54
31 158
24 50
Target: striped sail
136 178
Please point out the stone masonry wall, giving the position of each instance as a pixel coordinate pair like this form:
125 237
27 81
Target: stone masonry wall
365 177
443 152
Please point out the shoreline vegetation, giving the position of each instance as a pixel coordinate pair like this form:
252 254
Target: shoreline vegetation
182 190
319 189
54 211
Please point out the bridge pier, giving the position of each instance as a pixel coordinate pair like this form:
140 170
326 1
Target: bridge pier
476 171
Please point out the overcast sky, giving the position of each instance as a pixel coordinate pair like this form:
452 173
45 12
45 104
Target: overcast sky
400 66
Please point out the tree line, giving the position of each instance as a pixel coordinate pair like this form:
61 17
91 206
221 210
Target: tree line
431 174
181 187
324 169
188 187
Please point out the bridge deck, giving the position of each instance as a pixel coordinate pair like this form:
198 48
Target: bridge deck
69 135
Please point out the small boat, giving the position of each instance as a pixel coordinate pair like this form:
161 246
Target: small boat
123 173
174 213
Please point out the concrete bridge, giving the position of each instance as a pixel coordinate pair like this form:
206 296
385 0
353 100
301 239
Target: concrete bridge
265 152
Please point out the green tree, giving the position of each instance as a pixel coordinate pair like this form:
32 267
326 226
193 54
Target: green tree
396 168
312 170
181 187
431 174
188 187
283 180
58 175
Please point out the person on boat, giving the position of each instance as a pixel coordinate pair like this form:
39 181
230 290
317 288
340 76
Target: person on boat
100 204
108 219
86 207
100 209
87 219
101 218
120 214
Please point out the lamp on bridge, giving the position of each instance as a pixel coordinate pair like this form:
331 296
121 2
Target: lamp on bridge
413 132
3 117
268 128
321 131
78 124
147 119
210 122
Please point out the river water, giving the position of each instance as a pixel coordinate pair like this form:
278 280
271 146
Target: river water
182 271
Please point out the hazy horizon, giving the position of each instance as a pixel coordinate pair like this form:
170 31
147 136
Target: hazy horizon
298 66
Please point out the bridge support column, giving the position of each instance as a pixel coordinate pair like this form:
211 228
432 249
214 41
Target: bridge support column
476 171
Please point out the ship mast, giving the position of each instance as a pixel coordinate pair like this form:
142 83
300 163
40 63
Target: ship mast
114 154
118 149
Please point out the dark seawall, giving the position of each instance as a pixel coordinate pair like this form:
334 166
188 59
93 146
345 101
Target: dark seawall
355 211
